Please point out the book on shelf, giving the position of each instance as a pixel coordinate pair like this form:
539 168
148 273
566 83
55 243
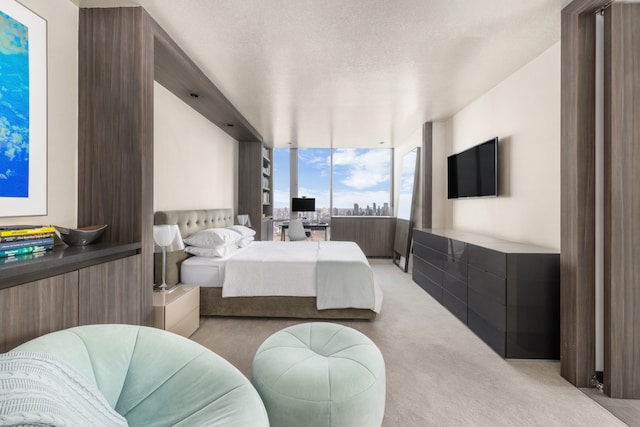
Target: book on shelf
25 250
25 237
12 231
26 243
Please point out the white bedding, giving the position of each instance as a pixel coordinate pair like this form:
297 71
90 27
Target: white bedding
204 271
337 273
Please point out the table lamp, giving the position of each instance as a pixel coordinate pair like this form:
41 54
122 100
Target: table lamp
244 220
167 238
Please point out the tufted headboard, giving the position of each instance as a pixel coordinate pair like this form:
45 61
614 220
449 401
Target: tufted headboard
189 222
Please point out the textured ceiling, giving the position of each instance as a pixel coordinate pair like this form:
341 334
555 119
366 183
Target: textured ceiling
320 73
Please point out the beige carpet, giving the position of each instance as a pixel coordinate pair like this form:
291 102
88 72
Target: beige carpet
438 372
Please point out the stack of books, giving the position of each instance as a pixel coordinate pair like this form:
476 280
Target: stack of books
19 240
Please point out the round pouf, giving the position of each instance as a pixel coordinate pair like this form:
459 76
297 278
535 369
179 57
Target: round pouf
320 375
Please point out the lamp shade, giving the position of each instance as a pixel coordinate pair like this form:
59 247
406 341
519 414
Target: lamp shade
244 219
167 236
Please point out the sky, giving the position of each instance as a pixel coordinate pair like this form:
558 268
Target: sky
360 176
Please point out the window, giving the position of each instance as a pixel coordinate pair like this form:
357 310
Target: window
281 174
314 179
362 182
343 181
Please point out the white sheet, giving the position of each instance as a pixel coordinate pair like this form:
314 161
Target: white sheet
272 269
204 271
337 272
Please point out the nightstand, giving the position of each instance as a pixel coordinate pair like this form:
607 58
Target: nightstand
177 311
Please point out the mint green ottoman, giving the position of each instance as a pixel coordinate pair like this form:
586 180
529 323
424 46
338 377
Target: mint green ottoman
320 375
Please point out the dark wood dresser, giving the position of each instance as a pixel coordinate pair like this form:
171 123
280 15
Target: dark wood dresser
507 293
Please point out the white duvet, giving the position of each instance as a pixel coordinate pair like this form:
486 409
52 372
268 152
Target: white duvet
337 273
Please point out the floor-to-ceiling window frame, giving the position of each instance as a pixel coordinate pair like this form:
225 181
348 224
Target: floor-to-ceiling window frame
344 182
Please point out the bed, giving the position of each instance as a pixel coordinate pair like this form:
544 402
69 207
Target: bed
322 280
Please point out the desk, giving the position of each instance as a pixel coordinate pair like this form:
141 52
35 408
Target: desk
307 226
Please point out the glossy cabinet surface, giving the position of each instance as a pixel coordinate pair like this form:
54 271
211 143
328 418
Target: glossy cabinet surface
507 293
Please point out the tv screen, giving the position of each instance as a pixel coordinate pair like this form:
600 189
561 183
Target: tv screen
303 204
474 172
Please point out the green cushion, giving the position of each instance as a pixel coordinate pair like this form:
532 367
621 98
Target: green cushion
156 378
320 374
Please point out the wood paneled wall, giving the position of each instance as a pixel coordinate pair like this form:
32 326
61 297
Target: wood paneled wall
622 197
577 260
374 235
115 132
622 201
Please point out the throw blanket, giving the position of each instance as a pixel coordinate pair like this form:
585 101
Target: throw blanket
39 390
345 279
337 273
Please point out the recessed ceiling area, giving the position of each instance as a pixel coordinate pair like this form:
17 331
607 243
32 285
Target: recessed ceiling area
335 73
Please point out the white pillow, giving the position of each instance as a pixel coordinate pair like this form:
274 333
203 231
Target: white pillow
220 251
213 237
245 242
244 231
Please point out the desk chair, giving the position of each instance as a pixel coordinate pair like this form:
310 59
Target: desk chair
296 230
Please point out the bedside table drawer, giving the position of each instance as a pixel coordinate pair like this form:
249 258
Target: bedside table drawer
181 307
187 325
178 311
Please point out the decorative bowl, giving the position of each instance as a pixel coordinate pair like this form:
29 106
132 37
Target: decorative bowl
80 236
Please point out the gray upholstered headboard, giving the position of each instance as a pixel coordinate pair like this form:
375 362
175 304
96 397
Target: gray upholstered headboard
189 222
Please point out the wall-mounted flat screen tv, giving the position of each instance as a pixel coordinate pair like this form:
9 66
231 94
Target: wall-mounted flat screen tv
303 204
474 172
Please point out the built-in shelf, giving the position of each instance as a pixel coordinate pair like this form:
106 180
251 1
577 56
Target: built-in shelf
61 259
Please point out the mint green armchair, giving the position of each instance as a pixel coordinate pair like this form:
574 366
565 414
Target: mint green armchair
156 378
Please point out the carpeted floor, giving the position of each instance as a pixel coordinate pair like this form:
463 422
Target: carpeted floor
438 372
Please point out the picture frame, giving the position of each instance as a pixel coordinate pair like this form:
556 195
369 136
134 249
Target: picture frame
23 111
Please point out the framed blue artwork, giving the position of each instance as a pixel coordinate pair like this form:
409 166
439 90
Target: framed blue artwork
23 111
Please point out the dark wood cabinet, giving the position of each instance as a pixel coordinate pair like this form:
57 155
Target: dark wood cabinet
108 292
37 308
507 293
66 287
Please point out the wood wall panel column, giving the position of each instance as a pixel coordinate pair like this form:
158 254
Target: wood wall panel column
115 132
577 259
622 202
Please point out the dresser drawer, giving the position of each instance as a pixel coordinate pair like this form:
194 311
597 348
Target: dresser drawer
493 337
487 284
456 287
487 308
488 260
429 255
432 288
435 242
427 269
456 268
455 306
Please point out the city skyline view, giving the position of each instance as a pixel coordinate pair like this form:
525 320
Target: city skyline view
361 177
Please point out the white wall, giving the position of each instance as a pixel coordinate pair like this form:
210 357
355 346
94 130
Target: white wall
62 112
195 162
524 112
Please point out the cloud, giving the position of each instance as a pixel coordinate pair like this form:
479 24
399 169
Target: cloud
362 169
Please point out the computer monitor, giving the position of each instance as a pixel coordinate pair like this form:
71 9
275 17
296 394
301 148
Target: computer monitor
303 204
